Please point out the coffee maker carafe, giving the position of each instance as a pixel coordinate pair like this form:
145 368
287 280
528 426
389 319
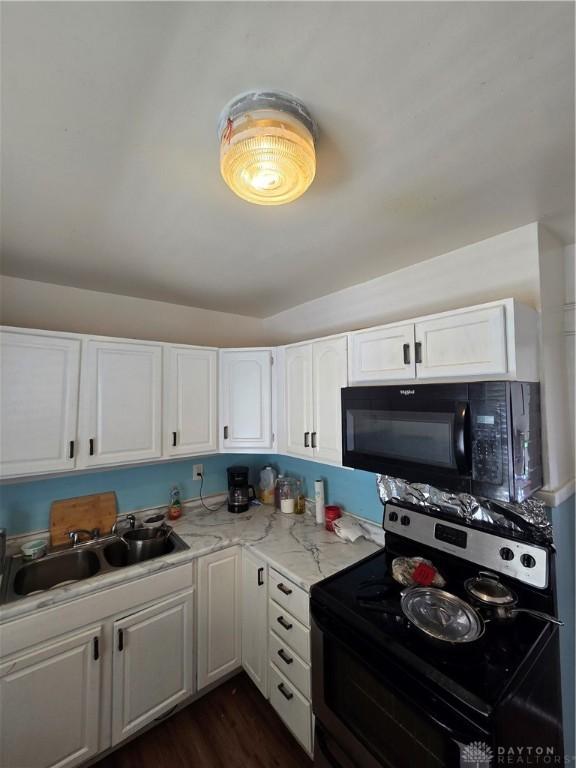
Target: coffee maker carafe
240 493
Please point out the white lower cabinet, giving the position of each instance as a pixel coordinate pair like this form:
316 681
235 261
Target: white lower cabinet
219 628
293 708
255 620
152 664
50 703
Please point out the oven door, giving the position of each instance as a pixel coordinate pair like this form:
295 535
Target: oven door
418 433
370 713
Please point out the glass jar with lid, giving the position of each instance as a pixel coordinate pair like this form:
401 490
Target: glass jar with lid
286 487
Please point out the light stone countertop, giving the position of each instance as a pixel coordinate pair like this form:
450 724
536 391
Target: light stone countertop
293 544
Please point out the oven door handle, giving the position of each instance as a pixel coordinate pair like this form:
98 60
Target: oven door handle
460 436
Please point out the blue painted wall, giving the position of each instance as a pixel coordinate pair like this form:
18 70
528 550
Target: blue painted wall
352 489
565 538
25 506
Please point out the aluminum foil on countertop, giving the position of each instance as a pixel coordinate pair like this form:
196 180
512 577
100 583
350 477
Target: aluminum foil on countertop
528 516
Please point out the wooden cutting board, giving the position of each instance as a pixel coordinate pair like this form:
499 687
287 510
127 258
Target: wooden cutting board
96 511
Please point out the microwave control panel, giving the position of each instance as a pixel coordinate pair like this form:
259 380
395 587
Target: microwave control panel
486 446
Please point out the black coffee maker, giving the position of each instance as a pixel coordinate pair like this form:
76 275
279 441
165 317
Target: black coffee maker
240 493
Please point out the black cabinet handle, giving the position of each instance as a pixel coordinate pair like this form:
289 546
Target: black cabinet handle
96 649
284 656
71 451
418 350
260 577
173 439
306 439
120 639
406 349
284 589
283 623
314 440
225 433
285 692
91 446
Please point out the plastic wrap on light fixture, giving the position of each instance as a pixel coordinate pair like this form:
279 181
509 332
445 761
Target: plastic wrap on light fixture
527 517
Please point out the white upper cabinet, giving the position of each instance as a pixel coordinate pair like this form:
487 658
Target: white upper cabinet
246 399
496 340
314 374
190 401
468 343
39 402
382 354
299 403
330 375
121 402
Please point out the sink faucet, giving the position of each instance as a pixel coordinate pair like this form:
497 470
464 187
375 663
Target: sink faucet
74 535
130 519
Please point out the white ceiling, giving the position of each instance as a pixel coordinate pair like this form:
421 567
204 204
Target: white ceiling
440 124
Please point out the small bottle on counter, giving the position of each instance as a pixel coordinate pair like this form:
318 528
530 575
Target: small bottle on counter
175 507
319 499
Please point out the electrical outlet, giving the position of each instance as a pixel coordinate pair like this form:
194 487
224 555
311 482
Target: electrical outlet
197 470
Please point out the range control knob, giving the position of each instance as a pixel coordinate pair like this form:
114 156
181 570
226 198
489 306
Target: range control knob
393 516
527 561
506 553
404 520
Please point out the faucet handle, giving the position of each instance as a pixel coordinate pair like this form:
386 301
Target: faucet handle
132 520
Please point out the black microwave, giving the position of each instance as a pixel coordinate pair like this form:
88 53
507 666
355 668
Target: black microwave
482 438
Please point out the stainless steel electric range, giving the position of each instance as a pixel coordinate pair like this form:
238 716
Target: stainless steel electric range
385 693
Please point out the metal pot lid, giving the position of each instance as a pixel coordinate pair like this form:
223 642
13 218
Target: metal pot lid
490 590
442 615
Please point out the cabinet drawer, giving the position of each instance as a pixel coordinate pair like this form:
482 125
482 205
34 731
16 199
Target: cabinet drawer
290 663
290 631
289 596
292 707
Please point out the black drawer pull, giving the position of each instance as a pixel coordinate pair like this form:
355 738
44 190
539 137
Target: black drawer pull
284 656
173 439
283 623
71 452
260 577
314 444
306 439
285 692
225 433
406 354
120 639
284 589
91 446
96 647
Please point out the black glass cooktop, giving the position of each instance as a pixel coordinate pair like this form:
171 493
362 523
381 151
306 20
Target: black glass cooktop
366 598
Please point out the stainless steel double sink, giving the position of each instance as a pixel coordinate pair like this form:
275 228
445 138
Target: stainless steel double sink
64 566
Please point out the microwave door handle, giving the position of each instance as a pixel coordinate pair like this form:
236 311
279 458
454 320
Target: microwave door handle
461 431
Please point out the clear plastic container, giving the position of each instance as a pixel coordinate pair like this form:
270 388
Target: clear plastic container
286 492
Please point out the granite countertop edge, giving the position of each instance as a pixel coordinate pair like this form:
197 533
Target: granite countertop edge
294 545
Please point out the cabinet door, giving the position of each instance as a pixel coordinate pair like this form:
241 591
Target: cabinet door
219 640
330 375
39 403
122 402
298 394
152 664
191 393
382 354
464 344
255 620
246 388
50 703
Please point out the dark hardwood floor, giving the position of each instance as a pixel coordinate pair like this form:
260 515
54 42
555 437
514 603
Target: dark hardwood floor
231 727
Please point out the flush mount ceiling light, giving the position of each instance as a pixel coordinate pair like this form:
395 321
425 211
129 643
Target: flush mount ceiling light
267 147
